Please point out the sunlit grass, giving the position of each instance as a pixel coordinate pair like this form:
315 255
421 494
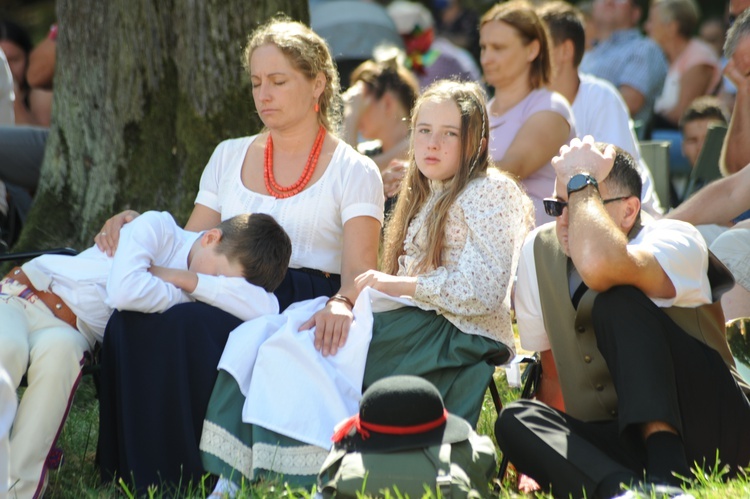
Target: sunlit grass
78 476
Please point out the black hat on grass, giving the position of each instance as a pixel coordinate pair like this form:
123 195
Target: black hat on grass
400 413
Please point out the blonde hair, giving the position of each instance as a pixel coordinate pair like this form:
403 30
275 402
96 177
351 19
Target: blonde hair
308 53
415 189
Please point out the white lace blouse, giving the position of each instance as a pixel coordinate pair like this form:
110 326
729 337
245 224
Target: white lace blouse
483 235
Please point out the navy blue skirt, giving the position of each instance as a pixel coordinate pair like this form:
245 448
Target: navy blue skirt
158 372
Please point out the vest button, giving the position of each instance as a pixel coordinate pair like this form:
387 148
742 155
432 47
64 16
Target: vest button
587 359
613 412
581 329
599 387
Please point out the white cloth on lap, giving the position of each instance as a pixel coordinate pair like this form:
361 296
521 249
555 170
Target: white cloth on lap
290 388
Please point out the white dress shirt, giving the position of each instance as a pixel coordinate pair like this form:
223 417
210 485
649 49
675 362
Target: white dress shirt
93 285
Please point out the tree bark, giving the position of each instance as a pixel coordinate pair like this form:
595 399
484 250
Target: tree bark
144 91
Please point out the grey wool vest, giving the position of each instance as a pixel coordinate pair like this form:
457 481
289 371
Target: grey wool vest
585 380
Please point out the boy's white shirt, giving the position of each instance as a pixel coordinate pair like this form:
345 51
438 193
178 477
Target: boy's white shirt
93 284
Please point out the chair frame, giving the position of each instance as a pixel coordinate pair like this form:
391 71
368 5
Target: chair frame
531 376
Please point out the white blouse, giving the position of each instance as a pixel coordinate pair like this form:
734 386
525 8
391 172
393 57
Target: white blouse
314 219
483 235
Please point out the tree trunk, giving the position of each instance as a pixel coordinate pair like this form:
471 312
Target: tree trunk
144 91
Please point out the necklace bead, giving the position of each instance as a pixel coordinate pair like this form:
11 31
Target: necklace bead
279 191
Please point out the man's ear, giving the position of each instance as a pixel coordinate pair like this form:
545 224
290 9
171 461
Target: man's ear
632 209
211 237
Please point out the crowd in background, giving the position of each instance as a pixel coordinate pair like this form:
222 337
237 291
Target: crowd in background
530 80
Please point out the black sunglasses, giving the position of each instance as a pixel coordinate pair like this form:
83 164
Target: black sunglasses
554 207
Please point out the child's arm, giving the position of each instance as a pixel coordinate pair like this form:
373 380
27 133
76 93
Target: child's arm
130 286
186 280
232 294
235 295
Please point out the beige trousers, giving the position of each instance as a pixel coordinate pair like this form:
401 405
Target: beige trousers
51 354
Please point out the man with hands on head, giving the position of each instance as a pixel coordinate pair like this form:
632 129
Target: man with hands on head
624 308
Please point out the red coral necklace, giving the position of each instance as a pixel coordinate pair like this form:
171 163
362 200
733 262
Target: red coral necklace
281 192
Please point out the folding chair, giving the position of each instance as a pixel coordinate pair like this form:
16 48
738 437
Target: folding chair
530 377
656 155
706 168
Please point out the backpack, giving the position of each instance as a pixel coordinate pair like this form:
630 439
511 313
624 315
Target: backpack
460 470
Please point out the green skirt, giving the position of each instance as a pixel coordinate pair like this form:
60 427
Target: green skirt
404 341
246 452
410 340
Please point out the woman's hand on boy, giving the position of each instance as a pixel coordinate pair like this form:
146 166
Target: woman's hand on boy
385 283
108 238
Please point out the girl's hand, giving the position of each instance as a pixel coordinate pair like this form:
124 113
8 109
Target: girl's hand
385 283
108 238
332 325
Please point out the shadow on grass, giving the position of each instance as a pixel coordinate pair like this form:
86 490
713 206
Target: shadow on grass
78 476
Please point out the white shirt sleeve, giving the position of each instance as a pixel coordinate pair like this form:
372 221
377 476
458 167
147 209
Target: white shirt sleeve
678 246
529 317
363 189
130 286
236 296
208 192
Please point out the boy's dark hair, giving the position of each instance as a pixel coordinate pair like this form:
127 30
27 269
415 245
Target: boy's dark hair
565 22
702 108
624 177
260 245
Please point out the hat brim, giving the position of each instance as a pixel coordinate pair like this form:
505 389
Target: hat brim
456 429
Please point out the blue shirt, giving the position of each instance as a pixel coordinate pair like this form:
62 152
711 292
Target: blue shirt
629 58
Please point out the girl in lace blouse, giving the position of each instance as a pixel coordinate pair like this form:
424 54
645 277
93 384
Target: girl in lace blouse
452 246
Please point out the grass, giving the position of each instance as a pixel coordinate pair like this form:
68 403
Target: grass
78 477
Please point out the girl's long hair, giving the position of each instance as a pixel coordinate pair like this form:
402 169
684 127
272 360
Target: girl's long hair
415 189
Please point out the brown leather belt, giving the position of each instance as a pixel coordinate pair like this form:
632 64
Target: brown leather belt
53 302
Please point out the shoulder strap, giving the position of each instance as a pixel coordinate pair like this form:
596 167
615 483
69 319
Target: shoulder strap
442 463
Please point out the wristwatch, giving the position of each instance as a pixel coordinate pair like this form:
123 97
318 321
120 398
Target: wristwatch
579 181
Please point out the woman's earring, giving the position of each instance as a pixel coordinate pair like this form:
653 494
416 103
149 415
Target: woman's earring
317 107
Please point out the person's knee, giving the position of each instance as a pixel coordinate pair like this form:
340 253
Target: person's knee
511 423
62 353
619 301
14 357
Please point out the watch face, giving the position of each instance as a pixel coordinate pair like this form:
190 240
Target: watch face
579 181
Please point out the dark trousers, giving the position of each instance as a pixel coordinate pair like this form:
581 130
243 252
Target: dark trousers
158 373
660 373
